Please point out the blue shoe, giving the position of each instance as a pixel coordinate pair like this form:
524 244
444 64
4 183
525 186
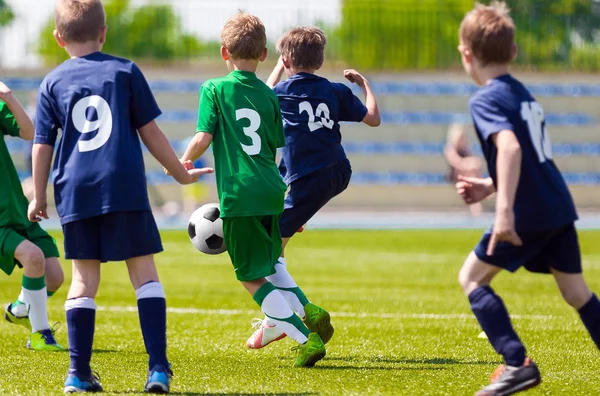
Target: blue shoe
159 380
80 384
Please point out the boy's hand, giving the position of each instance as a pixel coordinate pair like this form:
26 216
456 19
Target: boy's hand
355 77
194 174
474 189
4 91
504 231
37 211
186 164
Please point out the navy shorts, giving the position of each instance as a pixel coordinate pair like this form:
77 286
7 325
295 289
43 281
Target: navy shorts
117 236
310 193
541 250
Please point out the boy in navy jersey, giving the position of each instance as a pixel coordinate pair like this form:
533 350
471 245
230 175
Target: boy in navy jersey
103 105
314 164
535 214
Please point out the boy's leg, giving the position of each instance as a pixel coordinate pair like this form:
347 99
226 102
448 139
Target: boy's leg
82 245
577 294
254 243
34 284
519 372
53 270
564 257
54 280
152 308
475 278
81 314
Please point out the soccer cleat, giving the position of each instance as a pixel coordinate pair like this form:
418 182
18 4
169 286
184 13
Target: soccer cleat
12 318
44 341
318 321
264 334
81 384
310 352
159 380
506 382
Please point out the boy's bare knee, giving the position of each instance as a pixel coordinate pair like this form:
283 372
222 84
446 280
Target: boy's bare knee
475 273
32 258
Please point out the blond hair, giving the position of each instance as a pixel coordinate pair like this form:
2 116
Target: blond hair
244 36
79 21
489 32
304 47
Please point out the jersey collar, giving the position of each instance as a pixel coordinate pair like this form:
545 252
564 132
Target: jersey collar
243 75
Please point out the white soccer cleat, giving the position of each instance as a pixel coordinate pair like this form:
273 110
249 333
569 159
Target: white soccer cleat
264 334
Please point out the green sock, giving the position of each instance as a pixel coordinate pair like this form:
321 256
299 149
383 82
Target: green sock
33 283
275 307
50 293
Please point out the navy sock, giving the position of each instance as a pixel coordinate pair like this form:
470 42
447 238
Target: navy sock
152 308
494 320
81 318
590 316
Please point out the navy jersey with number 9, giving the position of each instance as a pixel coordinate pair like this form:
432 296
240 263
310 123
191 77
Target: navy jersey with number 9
98 101
543 200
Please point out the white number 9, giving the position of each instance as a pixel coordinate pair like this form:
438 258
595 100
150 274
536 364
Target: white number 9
103 124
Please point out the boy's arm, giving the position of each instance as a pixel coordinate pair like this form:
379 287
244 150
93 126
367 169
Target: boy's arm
276 74
197 147
160 148
508 169
42 160
26 128
372 118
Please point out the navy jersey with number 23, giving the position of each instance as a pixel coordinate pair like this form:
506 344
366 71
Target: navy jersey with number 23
98 101
312 108
543 200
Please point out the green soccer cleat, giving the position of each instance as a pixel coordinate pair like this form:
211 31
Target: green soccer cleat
12 318
44 341
318 321
310 352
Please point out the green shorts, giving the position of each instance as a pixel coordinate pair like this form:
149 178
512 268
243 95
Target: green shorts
11 238
254 245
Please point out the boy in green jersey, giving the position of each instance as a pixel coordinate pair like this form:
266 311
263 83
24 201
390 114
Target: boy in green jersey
240 115
21 242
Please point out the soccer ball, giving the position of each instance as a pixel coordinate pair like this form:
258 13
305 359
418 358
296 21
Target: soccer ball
205 229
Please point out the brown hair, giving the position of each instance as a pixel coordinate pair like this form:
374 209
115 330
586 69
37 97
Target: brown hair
79 21
489 32
244 36
304 47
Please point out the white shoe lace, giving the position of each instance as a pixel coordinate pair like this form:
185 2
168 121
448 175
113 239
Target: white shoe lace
257 323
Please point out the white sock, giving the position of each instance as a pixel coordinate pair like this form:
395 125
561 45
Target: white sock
281 315
283 280
19 310
36 302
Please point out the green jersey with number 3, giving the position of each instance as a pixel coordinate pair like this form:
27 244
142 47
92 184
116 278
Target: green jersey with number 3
243 116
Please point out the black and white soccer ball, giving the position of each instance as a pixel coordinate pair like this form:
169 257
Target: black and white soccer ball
205 229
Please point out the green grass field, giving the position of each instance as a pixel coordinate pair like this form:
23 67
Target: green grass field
403 326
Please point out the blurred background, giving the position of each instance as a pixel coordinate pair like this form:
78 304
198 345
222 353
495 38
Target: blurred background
403 170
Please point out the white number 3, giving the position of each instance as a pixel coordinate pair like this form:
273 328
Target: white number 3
250 131
103 124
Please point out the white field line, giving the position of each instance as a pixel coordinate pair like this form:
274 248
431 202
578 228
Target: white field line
376 315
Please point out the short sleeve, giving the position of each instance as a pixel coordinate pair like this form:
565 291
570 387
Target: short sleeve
46 123
207 109
489 118
8 122
351 108
143 106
